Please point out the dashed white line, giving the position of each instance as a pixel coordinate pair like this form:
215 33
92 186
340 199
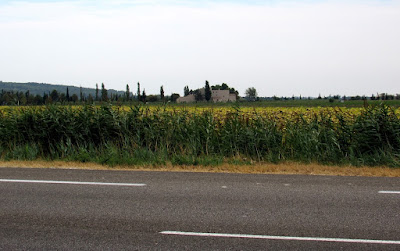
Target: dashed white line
272 237
73 182
390 192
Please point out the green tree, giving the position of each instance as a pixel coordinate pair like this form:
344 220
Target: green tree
90 99
29 98
46 98
38 100
174 97
144 96
162 93
80 94
62 97
152 98
207 92
186 91
251 93
198 95
66 96
97 93
74 98
127 93
54 96
138 91
104 96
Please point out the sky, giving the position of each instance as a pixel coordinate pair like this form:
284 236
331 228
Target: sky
281 48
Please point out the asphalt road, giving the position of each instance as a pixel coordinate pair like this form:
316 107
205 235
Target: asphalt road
193 211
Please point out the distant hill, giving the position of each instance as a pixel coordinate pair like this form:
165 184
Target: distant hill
40 88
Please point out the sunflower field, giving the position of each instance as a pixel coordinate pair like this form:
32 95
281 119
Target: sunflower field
155 135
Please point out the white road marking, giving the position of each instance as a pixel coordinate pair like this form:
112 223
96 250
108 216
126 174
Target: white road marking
73 182
392 192
272 237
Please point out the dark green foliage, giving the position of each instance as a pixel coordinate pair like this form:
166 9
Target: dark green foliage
104 93
378 128
67 97
97 93
162 93
40 88
138 92
207 91
198 95
174 97
186 91
144 96
127 93
139 136
251 93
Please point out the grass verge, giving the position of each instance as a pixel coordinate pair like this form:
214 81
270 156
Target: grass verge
258 168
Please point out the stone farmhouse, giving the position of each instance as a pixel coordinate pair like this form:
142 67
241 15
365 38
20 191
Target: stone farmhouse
216 96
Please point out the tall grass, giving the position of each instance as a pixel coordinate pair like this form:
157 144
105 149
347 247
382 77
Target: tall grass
115 136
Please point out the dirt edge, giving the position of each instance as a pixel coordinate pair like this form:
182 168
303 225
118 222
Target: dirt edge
259 168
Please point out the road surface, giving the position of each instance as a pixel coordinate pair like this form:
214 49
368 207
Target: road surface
42 209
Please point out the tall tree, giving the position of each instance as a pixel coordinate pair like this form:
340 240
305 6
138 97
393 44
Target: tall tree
46 97
207 92
144 96
67 95
54 95
104 96
127 93
162 93
74 98
251 93
198 95
97 93
90 99
186 91
80 94
138 91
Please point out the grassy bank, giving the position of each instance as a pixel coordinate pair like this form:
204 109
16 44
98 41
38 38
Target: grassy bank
140 136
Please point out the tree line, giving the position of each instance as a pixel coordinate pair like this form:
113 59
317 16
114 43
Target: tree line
15 97
12 97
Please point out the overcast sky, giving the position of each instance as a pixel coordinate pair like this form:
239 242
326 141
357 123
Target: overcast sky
281 48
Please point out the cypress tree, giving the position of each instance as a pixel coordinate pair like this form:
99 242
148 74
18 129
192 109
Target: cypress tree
186 91
80 94
144 96
127 94
207 90
138 91
162 92
67 95
97 93
104 96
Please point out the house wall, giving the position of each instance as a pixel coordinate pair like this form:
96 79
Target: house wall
188 99
216 96
222 96
232 97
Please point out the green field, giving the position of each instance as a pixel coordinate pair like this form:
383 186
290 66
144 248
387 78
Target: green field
202 135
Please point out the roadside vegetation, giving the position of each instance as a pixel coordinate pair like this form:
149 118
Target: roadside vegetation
192 136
